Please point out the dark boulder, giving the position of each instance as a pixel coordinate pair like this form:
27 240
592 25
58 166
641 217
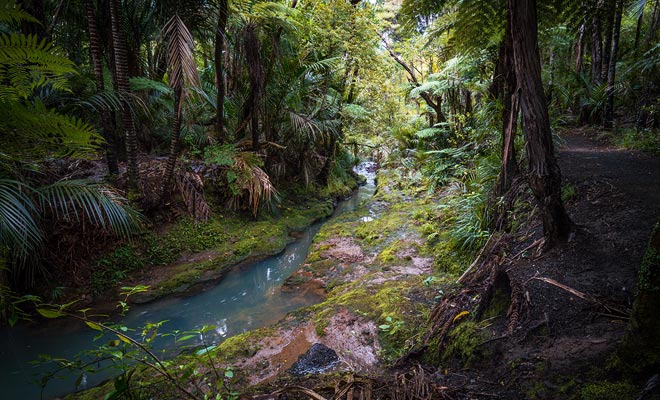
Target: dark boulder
318 359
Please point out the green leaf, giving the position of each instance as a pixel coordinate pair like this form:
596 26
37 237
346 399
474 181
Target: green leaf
94 326
124 339
205 350
229 374
47 313
186 337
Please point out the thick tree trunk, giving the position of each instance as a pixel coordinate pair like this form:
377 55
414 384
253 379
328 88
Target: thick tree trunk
544 174
97 61
124 89
220 32
640 348
611 72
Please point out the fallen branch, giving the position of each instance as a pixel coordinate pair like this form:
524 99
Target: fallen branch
584 296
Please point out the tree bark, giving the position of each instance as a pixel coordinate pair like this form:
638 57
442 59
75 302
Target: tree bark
124 89
579 50
544 174
97 61
223 15
510 109
607 39
596 49
252 48
611 72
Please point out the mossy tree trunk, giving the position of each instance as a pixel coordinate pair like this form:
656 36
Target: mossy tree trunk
640 349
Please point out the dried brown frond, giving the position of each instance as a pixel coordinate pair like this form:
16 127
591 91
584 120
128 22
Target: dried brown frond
191 188
254 184
182 65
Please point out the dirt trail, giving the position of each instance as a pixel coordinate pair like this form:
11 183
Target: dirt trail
565 340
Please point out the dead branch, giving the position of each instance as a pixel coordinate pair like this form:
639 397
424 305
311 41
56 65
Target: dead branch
584 296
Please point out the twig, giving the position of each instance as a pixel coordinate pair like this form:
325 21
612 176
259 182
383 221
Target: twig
535 243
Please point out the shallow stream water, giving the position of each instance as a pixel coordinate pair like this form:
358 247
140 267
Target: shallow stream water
246 298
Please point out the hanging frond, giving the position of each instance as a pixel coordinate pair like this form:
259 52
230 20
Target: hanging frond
181 61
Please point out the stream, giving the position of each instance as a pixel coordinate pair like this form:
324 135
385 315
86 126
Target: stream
247 298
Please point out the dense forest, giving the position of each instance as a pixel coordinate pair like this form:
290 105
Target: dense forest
498 246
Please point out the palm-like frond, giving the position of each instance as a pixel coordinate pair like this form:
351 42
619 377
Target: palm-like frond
82 200
19 230
182 65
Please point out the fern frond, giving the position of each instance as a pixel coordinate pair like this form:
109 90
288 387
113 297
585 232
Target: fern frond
11 13
32 129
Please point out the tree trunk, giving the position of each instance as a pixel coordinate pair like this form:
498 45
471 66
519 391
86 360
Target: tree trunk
510 108
640 348
544 174
607 40
97 61
609 105
124 89
252 48
579 50
174 145
551 80
220 32
596 49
